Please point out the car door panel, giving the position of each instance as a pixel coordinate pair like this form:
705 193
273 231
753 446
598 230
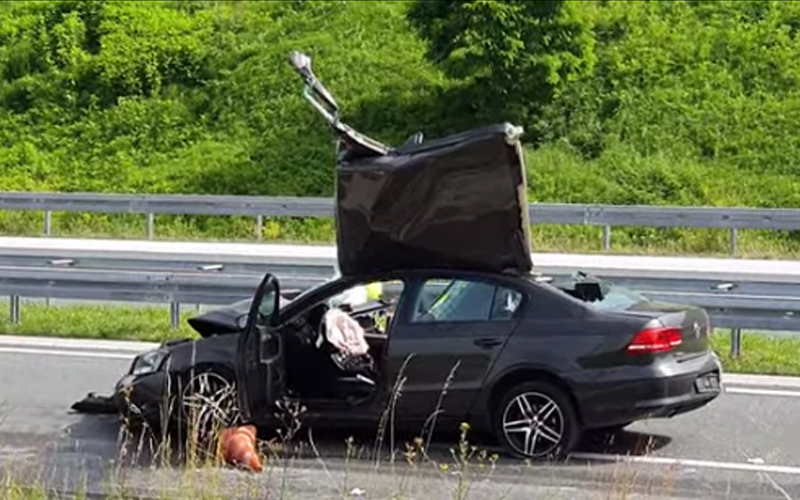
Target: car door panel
435 353
260 363
426 353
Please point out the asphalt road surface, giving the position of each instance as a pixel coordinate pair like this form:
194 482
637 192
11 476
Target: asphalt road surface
746 445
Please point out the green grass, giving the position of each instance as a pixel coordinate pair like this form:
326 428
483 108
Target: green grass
197 97
761 353
147 323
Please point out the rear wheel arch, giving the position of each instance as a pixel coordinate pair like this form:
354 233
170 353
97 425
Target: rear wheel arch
521 375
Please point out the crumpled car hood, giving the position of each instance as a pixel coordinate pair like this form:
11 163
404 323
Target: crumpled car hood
224 320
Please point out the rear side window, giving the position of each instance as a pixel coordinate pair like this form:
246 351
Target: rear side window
443 301
506 303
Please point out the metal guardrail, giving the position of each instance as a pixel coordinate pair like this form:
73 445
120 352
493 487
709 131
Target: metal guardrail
771 302
757 302
605 216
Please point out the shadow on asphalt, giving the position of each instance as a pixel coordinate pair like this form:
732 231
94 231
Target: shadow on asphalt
143 449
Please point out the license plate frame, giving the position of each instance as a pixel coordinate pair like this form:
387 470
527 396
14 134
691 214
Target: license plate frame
707 383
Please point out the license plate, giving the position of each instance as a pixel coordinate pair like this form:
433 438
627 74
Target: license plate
707 383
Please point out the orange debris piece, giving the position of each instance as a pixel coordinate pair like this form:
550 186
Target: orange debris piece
239 447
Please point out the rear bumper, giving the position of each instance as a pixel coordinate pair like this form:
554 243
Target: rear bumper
656 397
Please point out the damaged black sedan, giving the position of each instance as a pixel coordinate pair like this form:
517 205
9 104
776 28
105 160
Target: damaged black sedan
442 226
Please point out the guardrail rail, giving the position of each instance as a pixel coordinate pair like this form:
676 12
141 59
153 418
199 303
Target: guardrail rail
259 207
738 294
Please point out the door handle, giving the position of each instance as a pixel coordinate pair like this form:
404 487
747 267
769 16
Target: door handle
488 343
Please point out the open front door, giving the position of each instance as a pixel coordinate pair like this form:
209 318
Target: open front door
260 370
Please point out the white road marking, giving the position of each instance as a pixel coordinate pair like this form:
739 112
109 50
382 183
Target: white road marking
772 381
67 343
762 392
688 462
74 354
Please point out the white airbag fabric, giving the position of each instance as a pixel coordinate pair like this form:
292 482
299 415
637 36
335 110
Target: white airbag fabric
344 333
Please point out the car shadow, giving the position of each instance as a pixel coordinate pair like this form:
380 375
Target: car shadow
79 454
623 442
103 441
362 446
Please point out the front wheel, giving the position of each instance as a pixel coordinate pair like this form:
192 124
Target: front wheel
207 403
536 420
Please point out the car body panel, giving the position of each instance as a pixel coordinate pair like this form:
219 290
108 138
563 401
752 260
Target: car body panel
225 320
452 355
552 335
216 350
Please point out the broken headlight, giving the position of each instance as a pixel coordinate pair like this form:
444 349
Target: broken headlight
149 362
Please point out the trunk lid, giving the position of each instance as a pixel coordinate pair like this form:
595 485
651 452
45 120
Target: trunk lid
692 321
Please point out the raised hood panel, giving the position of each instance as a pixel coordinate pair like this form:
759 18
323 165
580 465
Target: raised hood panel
456 202
225 320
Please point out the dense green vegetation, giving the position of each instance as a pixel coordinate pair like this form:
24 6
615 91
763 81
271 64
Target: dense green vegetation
670 102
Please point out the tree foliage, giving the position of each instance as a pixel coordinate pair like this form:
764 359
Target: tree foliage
194 96
689 102
518 55
715 80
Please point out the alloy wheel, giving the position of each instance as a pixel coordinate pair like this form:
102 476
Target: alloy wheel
209 402
533 424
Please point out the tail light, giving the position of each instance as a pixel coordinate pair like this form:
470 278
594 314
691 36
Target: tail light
655 340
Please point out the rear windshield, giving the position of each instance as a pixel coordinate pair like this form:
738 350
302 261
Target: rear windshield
617 298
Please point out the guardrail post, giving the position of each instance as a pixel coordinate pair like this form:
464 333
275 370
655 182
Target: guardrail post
736 342
606 237
48 222
259 226
14 309
151 222
175 314
733 237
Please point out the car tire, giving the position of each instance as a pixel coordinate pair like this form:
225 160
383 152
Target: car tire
554 432
206 401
